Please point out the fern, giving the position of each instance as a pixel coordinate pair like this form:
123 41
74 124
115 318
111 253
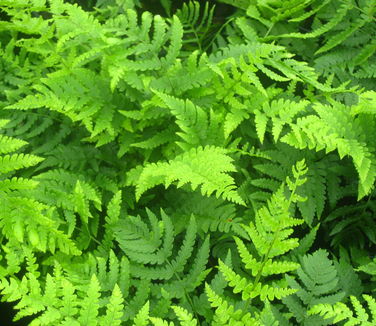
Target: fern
59 301
369 268
322 188
270 236
191 167
42 231
191 119
211 214
196 24
225 313
104 102
341 312
154 260
351 220
57 91
331 130
320 284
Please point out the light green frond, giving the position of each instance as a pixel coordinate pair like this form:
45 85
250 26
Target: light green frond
8 144
114 309
142 317
176 35
225 313
336 129
90 305
17 184
185 318
191 119
193 167
340 312
15 162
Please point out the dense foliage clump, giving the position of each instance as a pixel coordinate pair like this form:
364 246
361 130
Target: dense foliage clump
188 163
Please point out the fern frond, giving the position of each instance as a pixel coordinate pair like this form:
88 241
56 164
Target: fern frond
90 305
8 144
318 283
270 235
340 312
185 318
336 129
225 313
142 317
150 249
211 214
196 23
15 183
114 309
335 20
42 231
191 119
281 113
15 162
58 300
176 33
192 167
64 92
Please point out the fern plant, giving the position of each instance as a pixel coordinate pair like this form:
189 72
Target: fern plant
341 312
154 256
190 168
143 145
270 234
40 232
60 302
322 283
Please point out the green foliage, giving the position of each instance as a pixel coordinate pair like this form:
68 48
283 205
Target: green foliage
145 162
60 302
340 312
270 235
190 168
155 257
319 281
327 130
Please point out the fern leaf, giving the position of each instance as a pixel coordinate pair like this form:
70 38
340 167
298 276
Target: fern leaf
90 306
191 119
185 318
197 273
160 322
196 24
176 32
142 318
17 161
270 234
335 20
114 310
260 122
150 250
113 209
225 313
340 37
8 144
192 167
336 130
340 312
17 183
318 283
